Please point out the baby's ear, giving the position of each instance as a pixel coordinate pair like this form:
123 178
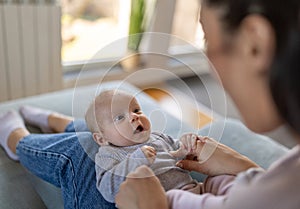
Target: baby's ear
99 139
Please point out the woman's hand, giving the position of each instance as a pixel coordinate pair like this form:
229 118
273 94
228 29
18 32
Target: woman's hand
141 190
214 158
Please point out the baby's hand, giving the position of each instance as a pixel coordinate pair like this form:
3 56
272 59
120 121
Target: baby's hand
188 145
149 152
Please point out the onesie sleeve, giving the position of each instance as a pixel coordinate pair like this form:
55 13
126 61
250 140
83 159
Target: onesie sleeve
111 171
173 143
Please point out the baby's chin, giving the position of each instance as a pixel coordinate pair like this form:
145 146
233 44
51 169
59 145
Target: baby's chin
145 135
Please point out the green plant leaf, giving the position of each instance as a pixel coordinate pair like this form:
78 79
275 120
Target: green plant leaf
136 26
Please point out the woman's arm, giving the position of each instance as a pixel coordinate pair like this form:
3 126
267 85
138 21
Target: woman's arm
215 159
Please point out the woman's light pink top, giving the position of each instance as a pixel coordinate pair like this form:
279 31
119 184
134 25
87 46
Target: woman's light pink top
276 188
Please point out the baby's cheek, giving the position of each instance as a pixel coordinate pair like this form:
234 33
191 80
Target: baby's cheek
121 131
146 122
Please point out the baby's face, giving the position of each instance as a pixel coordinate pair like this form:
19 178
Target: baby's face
123 122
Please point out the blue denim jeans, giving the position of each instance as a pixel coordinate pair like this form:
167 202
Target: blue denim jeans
65 160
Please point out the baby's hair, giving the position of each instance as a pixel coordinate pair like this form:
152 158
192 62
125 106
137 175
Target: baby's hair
90 115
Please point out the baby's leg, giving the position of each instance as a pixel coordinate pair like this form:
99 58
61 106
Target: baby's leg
48 121
58 122
12 130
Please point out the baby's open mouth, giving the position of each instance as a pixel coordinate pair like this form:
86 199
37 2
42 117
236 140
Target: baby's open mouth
138 129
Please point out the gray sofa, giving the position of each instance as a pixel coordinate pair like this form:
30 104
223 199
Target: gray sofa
20 189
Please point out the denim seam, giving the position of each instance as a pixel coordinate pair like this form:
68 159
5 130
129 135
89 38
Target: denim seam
30 149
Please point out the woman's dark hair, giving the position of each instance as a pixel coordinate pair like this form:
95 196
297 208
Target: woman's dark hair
284 16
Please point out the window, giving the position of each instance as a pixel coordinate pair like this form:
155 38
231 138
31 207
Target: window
186 25
89 25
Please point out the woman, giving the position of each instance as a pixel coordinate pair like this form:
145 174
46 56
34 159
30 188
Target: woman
255 47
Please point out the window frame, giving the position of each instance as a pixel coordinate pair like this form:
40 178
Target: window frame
162 22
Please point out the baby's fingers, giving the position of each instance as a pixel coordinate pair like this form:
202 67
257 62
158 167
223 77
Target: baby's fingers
181 152
151 150
148 151
189 141
193 142
185 140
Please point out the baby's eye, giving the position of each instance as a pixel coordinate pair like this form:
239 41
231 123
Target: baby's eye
119 118
137 110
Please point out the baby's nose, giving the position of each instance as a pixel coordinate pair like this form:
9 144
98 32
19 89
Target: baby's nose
134 117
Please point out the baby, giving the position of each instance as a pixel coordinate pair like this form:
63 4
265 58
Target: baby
124 134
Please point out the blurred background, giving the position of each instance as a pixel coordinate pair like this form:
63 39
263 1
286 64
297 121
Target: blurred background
46 44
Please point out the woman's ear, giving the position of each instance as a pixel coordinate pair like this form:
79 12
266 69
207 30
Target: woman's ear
98 138
259 41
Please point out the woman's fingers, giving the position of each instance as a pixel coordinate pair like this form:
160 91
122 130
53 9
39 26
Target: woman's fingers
192 165
126 197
